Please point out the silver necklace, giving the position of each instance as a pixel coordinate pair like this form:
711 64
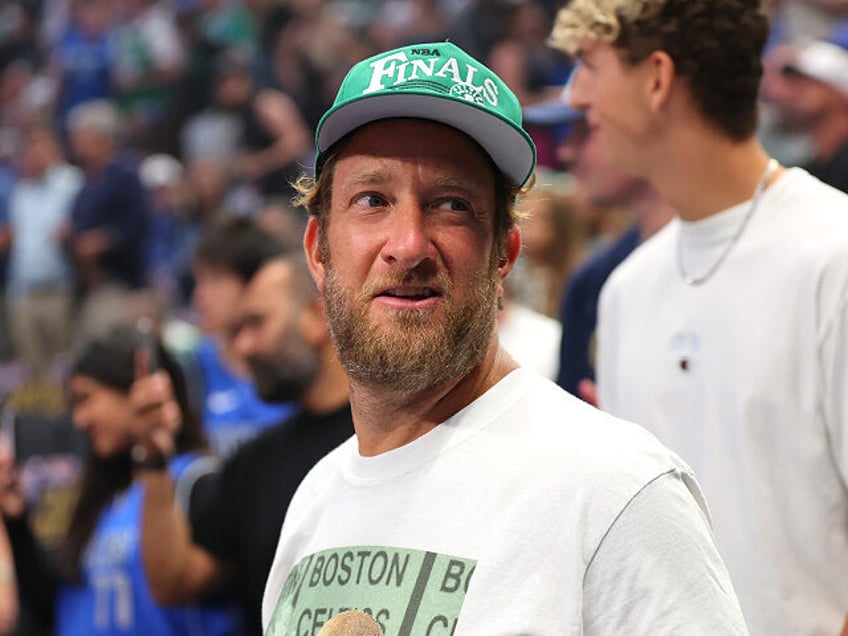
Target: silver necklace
691 279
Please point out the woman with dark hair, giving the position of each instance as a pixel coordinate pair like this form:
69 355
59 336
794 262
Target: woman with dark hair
97 584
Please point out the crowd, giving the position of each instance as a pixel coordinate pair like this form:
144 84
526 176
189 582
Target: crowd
149 160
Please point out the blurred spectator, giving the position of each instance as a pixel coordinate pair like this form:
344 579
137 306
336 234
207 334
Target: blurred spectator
401 22
209 183
292 70
46 454
329 45
8 176
261 131
9 606
525 60
553 242
807 86
81 62
284 336
149 58
227 24
230 251
101 551
110 218
19 32
530 337
173 232
480 25
286 223
605 185
799 20
15 83
39 285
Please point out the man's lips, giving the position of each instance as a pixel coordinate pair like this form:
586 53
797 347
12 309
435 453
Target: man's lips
409 295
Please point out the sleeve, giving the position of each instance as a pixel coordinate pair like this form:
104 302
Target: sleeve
211 517
657 571
37 573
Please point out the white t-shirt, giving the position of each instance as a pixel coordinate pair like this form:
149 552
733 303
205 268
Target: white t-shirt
746 377
528 512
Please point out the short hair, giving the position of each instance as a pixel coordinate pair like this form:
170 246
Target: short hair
316 194
238 245
100 116
716 45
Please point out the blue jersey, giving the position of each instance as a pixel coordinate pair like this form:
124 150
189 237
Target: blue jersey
232 411
115 598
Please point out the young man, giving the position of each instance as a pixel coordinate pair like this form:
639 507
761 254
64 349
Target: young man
477 497
237 513
727 333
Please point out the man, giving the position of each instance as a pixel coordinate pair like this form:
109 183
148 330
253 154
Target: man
39 278
259 130
109 219
807 86
604 185
238 512
229 253
726 334
476 497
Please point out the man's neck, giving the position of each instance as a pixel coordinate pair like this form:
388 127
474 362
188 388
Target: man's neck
385 420
703 176
650 212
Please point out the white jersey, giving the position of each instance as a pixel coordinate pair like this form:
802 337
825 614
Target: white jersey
746 377
527 512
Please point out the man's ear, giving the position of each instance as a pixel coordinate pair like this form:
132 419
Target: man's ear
311 239
511 251
660 70
512 248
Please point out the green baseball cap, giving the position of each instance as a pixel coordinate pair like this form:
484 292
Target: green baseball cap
439 82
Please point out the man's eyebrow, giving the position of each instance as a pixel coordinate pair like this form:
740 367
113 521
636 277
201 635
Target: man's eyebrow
469 185
368 177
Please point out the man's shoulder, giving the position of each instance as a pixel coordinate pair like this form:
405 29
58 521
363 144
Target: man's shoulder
576 442
818 199
303 435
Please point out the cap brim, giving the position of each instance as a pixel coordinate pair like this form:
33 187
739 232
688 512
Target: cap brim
510 148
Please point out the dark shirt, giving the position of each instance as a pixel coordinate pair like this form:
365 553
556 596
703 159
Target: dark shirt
834 171
115 200
237 513
578 311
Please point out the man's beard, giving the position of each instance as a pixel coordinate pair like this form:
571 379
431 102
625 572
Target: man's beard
413 353
285 375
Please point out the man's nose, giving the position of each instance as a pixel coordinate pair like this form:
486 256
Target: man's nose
408 239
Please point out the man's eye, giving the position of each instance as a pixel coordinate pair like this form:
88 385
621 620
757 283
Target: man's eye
454 205
371 201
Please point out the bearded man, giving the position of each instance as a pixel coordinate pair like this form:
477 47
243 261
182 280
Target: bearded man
476 497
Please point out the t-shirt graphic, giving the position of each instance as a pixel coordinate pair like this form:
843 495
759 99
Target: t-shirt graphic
408 592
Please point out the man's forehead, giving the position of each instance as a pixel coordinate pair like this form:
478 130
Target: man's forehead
368 151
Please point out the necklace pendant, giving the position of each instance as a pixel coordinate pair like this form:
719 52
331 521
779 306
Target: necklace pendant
690 280
684 364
